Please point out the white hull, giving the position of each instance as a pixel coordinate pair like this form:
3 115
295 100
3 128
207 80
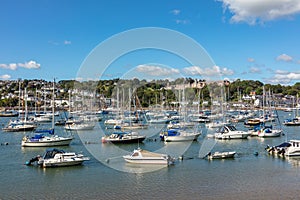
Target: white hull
146 157
62 163
293 152
80 127
289 149
59 158
180 138
47 143
230 132
273 133
160 161
232 135
222 155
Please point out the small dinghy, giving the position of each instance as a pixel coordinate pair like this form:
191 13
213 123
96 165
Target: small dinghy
221 155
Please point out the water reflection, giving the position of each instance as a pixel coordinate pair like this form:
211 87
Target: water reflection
294 161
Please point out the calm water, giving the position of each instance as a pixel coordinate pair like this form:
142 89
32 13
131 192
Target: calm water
245 176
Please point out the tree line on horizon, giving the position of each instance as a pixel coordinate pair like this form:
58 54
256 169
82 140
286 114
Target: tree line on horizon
148 92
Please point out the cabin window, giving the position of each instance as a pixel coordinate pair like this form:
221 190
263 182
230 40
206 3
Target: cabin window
135 154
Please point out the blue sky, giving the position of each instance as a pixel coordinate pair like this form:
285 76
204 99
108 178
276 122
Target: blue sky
246 39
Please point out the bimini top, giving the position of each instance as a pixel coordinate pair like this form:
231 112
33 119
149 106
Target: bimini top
50 153
285 144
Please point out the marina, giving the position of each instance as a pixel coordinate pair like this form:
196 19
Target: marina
192 176
132 100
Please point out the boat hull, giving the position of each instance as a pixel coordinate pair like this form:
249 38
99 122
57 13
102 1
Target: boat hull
62 164
159 161
146 157
19 129
180 138
273 133
123 141
61 142
231 136
222 155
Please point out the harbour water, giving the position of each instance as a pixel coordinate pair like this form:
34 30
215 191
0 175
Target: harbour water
107 176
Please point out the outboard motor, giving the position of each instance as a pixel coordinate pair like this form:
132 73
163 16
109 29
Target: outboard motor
32 160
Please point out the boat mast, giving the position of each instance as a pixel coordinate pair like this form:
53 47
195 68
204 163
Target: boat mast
25 97
19 98
297 114
53 104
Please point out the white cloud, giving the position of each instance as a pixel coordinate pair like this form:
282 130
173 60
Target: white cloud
255 70
213 71
67 42
253 11
250 60
182 21
155 70
56 43
28 65
175 12
5 76
290 76
226 71
284 57
11 66
281 72
284 77
53 42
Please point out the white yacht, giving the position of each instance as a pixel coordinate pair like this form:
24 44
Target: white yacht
140 156
230 132
58 158
289 148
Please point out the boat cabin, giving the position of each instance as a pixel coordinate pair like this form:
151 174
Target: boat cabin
226 129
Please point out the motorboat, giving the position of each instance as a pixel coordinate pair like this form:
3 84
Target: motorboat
178 135
140 156
123 137
58 158
289 148
230 132
253 122
41 140
221 155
